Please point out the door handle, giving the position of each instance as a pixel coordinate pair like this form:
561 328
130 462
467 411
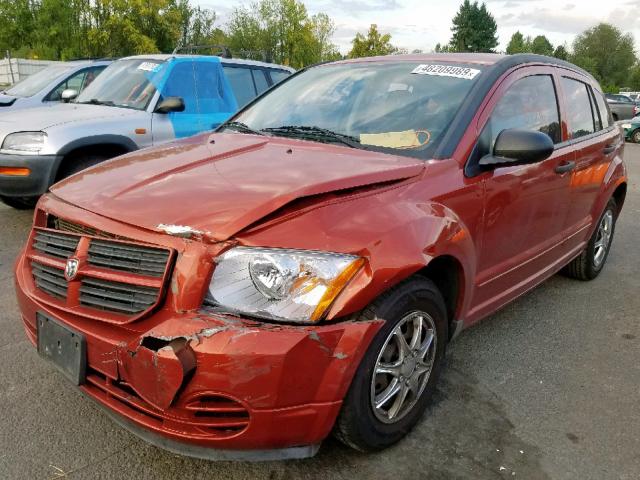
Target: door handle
609 148
565 167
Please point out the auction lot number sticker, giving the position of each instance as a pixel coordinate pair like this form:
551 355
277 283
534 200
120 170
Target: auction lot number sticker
446 71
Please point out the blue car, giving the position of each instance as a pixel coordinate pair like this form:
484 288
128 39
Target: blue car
44 88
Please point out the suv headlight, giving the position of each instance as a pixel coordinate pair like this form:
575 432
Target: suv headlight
279 284
24 141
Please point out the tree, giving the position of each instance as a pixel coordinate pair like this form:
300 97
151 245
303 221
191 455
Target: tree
474 29
634 78
281 31
442 48
518 44
561 52
542 46
606 53
372 45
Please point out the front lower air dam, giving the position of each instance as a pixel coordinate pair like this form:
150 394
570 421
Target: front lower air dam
210 385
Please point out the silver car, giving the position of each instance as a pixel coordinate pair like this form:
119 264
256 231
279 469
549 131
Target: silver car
135 103
44 88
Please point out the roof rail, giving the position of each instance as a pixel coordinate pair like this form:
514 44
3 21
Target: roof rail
223 51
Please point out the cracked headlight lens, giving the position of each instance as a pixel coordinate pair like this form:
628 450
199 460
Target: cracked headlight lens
24 141
279 284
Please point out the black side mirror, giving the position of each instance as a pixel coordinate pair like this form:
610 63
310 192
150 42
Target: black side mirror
170 104
519 147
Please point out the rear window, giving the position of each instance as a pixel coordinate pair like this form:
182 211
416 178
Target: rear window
579 111
605 115
278 75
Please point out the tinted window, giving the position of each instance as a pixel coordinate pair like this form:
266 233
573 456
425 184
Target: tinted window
278 75
261 80
241 83
602 115
579 113
182 83
529 104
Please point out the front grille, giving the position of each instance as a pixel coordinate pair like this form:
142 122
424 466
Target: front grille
50 280
129 258
116 281
66 226
55 244
117 297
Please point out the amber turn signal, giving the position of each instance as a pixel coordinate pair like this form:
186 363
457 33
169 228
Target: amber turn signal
15 171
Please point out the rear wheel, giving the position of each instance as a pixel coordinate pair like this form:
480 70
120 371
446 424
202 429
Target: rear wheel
20 203
590 262
397 376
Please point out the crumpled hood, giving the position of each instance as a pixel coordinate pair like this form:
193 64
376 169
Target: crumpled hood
41 118
219 184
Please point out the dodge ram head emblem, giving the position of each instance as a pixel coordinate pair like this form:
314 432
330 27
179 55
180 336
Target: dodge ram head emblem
71 269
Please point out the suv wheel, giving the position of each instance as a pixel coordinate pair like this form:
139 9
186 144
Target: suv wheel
590 262
397 376
635 136
20 203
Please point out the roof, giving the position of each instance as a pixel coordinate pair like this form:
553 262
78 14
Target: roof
236 61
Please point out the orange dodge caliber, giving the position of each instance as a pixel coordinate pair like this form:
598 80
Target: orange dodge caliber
243 293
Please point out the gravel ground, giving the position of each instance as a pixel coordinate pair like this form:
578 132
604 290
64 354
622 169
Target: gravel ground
547 388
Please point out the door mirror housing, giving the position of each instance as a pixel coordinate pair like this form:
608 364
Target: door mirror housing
519 147
68 95
170 104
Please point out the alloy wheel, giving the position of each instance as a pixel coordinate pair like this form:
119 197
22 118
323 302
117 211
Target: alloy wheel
603 238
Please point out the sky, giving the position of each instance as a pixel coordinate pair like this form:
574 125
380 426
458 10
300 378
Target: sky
421 24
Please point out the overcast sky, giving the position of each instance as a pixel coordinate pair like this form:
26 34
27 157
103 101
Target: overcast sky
423 23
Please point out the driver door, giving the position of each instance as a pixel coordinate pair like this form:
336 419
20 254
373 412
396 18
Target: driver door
525 206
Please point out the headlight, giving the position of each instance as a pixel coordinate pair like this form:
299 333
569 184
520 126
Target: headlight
24 141
626 125
278 284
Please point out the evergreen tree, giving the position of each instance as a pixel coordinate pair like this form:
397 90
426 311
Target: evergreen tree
474 29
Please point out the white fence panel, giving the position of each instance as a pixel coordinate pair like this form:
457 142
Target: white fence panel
16 69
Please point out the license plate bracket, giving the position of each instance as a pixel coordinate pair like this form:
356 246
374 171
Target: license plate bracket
62 346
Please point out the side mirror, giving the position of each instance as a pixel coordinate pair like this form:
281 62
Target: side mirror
68 95
519 147
170 104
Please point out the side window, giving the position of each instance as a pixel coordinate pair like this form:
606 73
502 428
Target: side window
261 80
241 82
74 82
181 83
579 108
529 104
91 75
605 113
278 75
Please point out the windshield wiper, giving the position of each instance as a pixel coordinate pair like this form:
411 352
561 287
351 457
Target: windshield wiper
95 101
241 127
315 133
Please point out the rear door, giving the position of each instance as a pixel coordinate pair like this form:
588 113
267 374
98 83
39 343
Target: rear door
595 139
525 205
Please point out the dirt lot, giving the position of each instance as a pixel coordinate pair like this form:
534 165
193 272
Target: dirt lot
547 388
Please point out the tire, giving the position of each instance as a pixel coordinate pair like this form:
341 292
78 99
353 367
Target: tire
362 426
20 203
76 164
590 262
635 136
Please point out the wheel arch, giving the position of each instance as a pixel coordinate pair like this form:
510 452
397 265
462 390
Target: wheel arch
619 195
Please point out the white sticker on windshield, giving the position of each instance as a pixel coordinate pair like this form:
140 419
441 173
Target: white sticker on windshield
149 66
446 71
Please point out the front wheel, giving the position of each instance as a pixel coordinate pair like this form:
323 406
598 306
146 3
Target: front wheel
590 262
397 376
635 136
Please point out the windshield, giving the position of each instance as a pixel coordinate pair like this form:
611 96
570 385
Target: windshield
400 107
37 81
125 83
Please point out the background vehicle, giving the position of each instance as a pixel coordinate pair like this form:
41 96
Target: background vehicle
302 269
632 129
44 88
622 107
135 103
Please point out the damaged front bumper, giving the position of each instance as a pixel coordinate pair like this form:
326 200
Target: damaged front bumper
214 386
